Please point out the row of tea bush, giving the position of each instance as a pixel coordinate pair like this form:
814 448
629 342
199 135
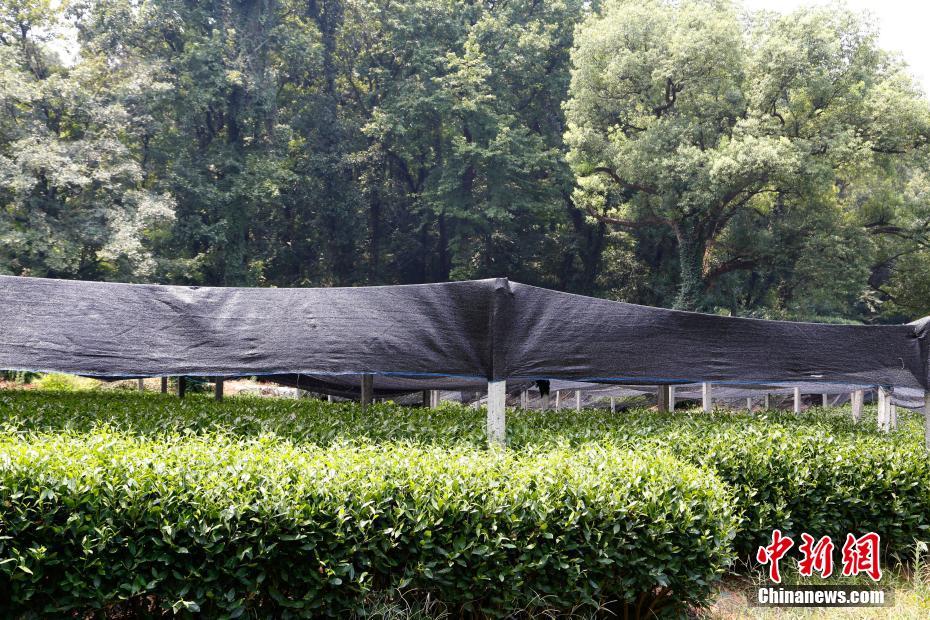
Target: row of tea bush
816 472
229 525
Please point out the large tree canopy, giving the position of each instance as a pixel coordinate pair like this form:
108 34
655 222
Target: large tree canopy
688 115
656 152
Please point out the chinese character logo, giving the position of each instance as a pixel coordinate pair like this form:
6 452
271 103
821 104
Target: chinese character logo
859 555
773 553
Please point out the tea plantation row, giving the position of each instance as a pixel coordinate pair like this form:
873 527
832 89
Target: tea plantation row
301 509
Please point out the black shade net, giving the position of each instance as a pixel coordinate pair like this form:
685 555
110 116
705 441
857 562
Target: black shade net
452 336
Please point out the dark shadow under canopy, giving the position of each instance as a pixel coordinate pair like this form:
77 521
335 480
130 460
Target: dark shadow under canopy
456 335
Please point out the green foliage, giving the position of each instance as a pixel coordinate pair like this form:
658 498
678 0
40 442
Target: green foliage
228 524
57 382
740 162
814 472
720 127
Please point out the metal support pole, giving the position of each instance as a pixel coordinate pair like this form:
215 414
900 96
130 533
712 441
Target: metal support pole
856 399
497 407
368 389
797 400
164 385
707 396
218 388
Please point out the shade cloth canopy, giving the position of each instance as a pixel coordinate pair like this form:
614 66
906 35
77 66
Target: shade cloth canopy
456 335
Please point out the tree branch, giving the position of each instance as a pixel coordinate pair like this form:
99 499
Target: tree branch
736 263
636 187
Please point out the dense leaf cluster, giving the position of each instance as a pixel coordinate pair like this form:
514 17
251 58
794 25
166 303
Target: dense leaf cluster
226 525
651 150
260 496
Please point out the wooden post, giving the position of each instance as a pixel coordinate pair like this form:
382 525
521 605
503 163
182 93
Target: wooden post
671 398
797 400
164 385
182 386
141 384
497 407
707 396
856 399
218 388
662 398
927 420
613 405
577 400
367 392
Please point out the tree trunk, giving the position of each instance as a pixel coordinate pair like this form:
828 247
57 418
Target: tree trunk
691 249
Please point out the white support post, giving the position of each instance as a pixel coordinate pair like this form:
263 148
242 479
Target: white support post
825 401
577 400
749 404
927 420
856 399
435 397
545 401
525 400
797 400
558 395
497 404
707 397
613 408
768 402
884 413
329 398
368 384
141 385
671 398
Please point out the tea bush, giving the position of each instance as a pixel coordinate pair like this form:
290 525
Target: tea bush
815 472
230 525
